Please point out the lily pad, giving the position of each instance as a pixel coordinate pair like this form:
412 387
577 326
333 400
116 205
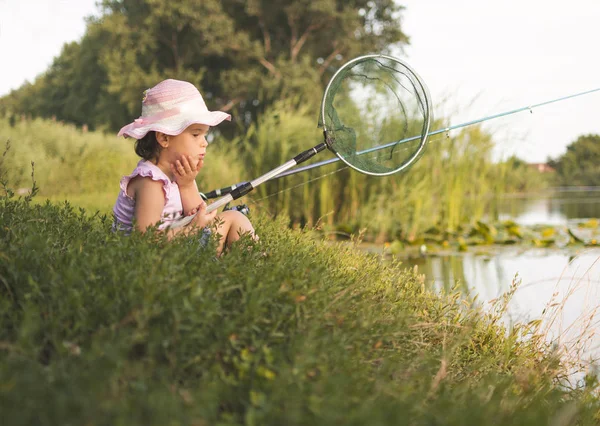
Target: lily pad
574 237
548 232
543 242
592 223
515 230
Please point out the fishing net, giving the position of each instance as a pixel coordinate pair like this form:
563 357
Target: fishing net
375 114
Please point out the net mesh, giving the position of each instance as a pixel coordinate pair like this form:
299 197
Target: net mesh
376 114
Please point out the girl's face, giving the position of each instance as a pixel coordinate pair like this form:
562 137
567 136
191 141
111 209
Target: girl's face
191 142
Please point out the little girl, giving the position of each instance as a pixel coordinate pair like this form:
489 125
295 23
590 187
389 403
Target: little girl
171 139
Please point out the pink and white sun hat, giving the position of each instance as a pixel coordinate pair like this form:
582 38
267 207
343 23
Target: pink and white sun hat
170 107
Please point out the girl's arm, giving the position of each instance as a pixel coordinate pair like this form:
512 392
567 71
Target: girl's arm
190 198
185 171
149 204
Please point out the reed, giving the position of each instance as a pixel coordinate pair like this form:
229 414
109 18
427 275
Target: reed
454 184
86 167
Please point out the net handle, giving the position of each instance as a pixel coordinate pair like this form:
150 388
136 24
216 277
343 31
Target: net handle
246 187
424 132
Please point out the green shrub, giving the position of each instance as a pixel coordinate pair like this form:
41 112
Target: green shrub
99 328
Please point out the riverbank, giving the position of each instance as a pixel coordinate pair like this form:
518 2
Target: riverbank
115 330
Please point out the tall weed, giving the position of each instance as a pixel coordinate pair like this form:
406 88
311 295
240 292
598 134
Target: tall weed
453 184
86 167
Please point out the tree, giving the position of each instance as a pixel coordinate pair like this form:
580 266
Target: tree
242 54
580 165
73 88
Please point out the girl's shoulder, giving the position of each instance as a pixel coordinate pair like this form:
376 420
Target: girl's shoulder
138 184
145 175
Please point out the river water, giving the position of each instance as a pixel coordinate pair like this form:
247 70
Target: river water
563 282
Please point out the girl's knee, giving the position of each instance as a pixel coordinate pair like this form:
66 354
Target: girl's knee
236 222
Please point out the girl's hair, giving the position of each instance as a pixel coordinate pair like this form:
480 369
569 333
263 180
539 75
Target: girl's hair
147 147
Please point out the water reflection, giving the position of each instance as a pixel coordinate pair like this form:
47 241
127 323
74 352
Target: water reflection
556 207
561 286
569 280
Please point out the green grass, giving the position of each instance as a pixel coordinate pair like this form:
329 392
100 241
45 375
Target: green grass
101 202
67 160
98 328
447 190
85 167
452 185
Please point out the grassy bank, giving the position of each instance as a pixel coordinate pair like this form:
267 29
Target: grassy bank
96 328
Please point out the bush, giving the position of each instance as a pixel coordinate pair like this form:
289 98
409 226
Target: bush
98 328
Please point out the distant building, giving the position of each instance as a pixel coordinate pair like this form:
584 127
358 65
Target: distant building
541 167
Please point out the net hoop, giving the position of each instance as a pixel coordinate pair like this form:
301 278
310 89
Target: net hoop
427 105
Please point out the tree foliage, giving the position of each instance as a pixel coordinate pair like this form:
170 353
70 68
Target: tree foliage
242 54
580 165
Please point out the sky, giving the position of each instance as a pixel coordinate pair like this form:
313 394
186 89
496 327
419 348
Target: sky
488 57
478 58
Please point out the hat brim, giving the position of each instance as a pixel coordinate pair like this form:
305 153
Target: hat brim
173 127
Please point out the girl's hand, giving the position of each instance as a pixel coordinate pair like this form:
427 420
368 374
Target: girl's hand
202 218
185 170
